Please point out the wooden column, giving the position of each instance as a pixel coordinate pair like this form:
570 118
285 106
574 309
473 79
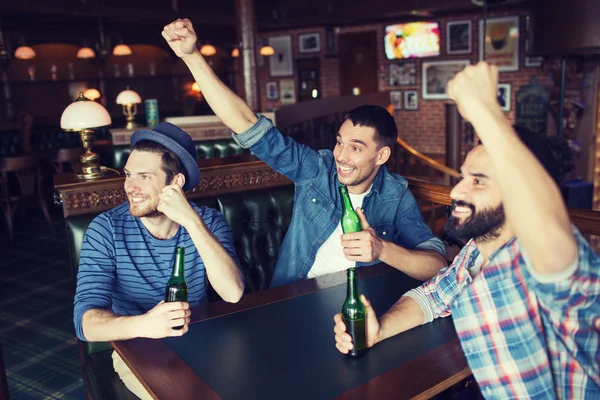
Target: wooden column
453 138
246 29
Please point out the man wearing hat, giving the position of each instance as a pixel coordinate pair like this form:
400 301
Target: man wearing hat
128 252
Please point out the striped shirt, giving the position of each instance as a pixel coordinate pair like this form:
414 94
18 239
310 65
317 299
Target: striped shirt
525 336
125 269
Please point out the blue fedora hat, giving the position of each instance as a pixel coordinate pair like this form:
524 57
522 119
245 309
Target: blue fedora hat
179 142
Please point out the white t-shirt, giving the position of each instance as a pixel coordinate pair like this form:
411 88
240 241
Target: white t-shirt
330 257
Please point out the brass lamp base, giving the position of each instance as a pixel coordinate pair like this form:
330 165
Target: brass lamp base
132 124
90 161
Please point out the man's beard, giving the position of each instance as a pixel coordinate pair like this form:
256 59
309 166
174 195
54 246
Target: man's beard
149 211
482 226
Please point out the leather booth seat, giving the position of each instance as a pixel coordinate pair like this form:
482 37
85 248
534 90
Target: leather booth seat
205 150
259 220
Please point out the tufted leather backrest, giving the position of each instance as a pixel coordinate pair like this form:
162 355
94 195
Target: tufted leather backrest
259 220
205 150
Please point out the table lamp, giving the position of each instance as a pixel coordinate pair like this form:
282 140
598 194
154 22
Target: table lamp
129 100
84 116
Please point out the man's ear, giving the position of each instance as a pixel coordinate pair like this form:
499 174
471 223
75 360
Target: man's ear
383 155
179 180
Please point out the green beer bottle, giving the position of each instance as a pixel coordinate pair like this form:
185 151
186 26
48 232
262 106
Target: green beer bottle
354 315
350 220
177 289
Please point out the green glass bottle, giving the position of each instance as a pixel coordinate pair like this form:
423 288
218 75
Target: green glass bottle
354 315
350 220
177 289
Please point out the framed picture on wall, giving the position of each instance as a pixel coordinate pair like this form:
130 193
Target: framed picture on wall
411 100
280 63
396 99
458 37
435 77
501 42
272 92
288 91
402 74
532 61
309 43
504 96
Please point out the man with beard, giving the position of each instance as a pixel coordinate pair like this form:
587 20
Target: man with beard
314 244
524 292
128 252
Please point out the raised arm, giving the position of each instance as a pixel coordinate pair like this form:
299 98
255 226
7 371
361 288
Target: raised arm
228 106
532 201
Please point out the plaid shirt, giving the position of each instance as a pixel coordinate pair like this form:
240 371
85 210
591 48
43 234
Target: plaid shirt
523 339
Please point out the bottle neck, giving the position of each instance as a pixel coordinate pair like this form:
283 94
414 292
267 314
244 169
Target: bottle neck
352 288
179 263
346 203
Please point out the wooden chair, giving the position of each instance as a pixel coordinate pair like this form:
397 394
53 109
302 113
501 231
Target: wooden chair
25 123
27 172
67 156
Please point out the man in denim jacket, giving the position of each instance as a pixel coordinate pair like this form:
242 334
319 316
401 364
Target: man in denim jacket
314 244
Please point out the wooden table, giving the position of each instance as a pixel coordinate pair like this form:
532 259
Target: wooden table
264 361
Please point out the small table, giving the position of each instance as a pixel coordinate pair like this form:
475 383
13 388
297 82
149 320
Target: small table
279 343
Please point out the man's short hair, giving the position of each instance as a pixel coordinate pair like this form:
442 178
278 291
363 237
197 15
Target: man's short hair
170 163
553 152
380 120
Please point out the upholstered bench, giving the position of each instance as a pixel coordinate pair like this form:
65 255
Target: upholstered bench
259 220
206 149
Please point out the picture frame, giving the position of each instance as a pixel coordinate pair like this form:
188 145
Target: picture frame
505 96
309 42
272 90
281 63
396 99
411 100
402 74
501 42
458 37
287 88
435 76
532 62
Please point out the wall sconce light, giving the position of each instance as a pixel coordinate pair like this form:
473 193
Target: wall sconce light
129 99
208 50
195 87
22 52
92 94
103 45
266 51
84 116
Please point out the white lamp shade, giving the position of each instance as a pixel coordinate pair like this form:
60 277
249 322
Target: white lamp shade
86 52
128 97
121 50
267 51
208 50
195 87
92 94
24 53
84 114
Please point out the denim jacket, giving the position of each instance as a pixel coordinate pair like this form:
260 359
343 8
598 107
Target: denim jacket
390 207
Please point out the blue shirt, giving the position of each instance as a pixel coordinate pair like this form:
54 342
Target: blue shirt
390 208
124 269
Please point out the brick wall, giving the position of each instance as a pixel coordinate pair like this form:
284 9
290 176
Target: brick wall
424 129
